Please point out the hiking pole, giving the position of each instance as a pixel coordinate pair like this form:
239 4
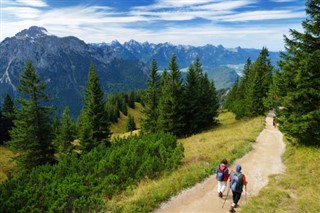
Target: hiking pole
227 195
245 194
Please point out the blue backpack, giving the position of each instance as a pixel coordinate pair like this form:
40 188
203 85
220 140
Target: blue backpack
236 182
221 173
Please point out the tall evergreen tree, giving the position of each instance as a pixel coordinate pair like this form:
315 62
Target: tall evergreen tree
247 96
8 115
299 82
151 100
191 98
31 134
131 124
2 128
94 125
164 121
241 103
112 107
170 103
208 103
66 133
261 80
200 100
8 107
131 99
275 92
232 96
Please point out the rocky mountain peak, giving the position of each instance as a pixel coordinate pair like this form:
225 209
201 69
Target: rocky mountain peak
32 32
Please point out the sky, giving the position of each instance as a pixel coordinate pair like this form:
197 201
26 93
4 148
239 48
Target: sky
231 23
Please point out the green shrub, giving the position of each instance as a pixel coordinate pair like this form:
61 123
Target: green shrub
81 182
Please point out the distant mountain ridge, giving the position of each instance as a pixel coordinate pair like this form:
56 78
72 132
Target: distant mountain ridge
63 63
222 64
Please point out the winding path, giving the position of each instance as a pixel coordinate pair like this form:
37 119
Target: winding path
257 165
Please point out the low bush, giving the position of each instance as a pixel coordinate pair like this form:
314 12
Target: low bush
81 182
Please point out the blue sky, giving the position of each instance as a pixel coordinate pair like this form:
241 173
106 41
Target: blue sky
232 23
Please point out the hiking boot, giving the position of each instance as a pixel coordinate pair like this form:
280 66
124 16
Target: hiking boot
232 209
220 194
236 206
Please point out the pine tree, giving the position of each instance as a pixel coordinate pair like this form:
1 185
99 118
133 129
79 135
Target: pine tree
131 99
298 84
241 102
31 134
2 128
275 92
170 103
232 96
112 107
164 122
123 104
8 115
131 124
94 125
200 100
151 100
208 103
66 133
247 96
261 74
191 98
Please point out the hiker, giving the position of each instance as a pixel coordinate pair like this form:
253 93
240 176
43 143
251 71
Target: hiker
237 181
222 176
274 123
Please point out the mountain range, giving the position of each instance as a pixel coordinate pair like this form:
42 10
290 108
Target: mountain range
63 63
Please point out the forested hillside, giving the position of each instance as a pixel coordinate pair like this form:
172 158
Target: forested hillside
51 152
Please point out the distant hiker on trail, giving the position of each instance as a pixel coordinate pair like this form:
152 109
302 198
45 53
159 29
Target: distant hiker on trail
222 176
237 181
274 123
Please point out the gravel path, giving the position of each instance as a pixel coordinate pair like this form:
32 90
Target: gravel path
257 165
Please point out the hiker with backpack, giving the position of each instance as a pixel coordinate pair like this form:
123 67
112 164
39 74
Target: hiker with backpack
274 123
222 176
237 181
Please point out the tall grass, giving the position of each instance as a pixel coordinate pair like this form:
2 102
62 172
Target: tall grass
6 163
203 152
298 190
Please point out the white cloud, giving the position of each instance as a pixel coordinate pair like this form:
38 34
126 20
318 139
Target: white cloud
281 1
181 3
197 9
262 15
224 5
214 10
21 12
173 4
33 3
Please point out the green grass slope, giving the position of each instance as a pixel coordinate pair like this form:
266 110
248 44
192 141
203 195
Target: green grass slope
119 128
203 152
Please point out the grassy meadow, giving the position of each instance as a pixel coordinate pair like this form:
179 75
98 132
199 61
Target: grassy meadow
119 128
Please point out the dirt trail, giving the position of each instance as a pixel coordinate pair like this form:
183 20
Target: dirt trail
263 160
